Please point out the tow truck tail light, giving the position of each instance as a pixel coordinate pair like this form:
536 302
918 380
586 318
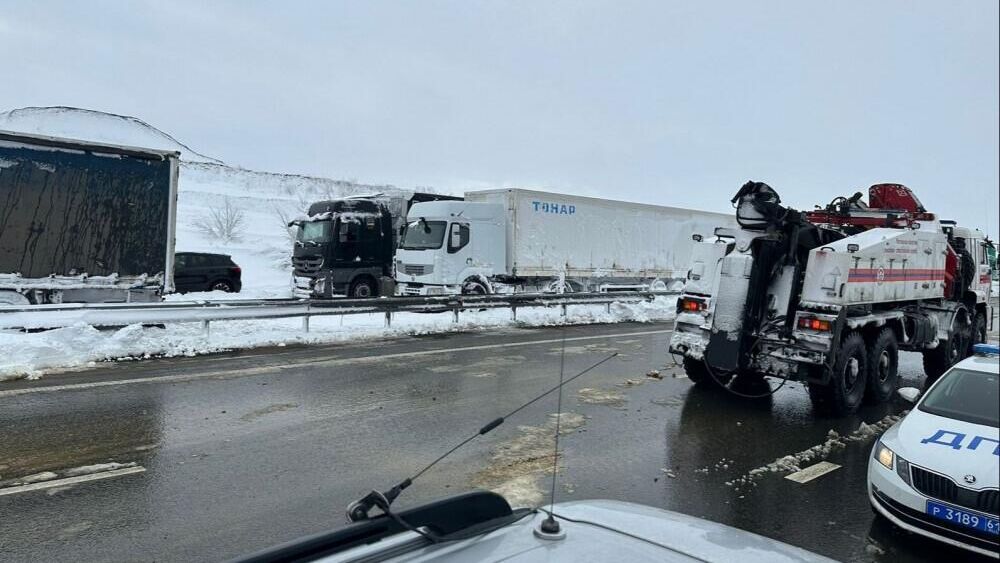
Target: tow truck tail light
812 323
689 305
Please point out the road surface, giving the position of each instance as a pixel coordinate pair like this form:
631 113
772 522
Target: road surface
225 454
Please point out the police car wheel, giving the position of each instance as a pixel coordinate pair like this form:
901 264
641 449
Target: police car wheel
842 395
883 367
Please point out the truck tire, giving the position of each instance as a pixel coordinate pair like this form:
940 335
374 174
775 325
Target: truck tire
883 367
842 395
474 287
697 372
978 331
13 298
362 288
948 353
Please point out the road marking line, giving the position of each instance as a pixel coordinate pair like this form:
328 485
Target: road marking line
71 480
246 372
812 472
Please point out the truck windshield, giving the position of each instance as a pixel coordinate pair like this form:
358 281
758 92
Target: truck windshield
970 396
314 231
423 235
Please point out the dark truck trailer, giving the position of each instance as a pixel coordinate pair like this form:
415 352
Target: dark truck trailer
84 222
347 246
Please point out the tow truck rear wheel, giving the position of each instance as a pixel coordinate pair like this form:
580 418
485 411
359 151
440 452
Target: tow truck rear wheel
842 395
697 372
883 367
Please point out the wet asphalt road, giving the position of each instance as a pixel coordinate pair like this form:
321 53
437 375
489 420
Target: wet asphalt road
244 450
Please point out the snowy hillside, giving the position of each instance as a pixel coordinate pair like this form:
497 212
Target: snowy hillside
265 200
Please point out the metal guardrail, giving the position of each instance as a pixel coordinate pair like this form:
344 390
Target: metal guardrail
123 314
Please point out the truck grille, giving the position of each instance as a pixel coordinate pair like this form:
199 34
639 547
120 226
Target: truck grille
943 488
307 265
417 269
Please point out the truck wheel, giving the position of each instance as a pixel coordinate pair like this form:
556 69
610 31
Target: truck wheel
948 353
363 288
883 367
13 298
978 331
843 394
473 287
697 372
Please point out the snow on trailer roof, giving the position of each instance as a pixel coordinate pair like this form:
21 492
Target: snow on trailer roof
86 146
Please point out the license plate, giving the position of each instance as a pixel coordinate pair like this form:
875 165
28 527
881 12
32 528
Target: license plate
962 517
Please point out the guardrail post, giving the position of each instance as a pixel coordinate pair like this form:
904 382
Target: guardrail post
609 307
564 309
388 319
455 320
205 329
513 313
305 323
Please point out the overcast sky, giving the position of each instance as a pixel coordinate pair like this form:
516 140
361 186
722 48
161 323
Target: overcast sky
664 102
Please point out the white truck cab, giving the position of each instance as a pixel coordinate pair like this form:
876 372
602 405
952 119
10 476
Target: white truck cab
451 247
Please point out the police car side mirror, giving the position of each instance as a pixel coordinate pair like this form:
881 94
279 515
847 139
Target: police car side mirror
909 394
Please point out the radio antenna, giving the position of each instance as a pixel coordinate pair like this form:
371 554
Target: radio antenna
359 509
549 528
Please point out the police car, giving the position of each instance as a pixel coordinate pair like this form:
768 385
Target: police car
936 472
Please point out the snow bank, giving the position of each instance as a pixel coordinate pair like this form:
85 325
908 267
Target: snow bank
34 354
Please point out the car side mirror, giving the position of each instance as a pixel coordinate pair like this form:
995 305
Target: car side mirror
909 394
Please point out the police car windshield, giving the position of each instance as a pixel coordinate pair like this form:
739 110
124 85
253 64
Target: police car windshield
970 396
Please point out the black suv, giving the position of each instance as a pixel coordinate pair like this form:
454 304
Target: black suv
199 271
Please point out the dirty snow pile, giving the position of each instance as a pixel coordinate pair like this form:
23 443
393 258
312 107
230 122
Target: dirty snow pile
33 354
834 441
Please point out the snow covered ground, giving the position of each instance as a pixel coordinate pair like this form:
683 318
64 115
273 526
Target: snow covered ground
34 354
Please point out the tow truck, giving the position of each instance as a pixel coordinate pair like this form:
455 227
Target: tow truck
829 297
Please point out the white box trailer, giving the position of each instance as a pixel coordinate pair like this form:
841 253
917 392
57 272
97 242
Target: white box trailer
526 240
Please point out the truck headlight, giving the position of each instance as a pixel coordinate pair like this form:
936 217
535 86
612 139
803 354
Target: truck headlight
884 455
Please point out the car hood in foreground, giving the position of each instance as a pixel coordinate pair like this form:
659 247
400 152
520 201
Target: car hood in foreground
603 530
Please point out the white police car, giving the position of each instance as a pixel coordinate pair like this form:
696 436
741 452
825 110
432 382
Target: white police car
936 471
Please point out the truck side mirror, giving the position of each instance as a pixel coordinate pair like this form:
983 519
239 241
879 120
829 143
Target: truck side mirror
456 236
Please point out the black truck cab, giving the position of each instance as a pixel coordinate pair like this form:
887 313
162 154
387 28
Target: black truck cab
344 247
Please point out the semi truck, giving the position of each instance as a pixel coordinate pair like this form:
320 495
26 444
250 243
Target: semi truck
84 222
516 240
830 297
346 246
